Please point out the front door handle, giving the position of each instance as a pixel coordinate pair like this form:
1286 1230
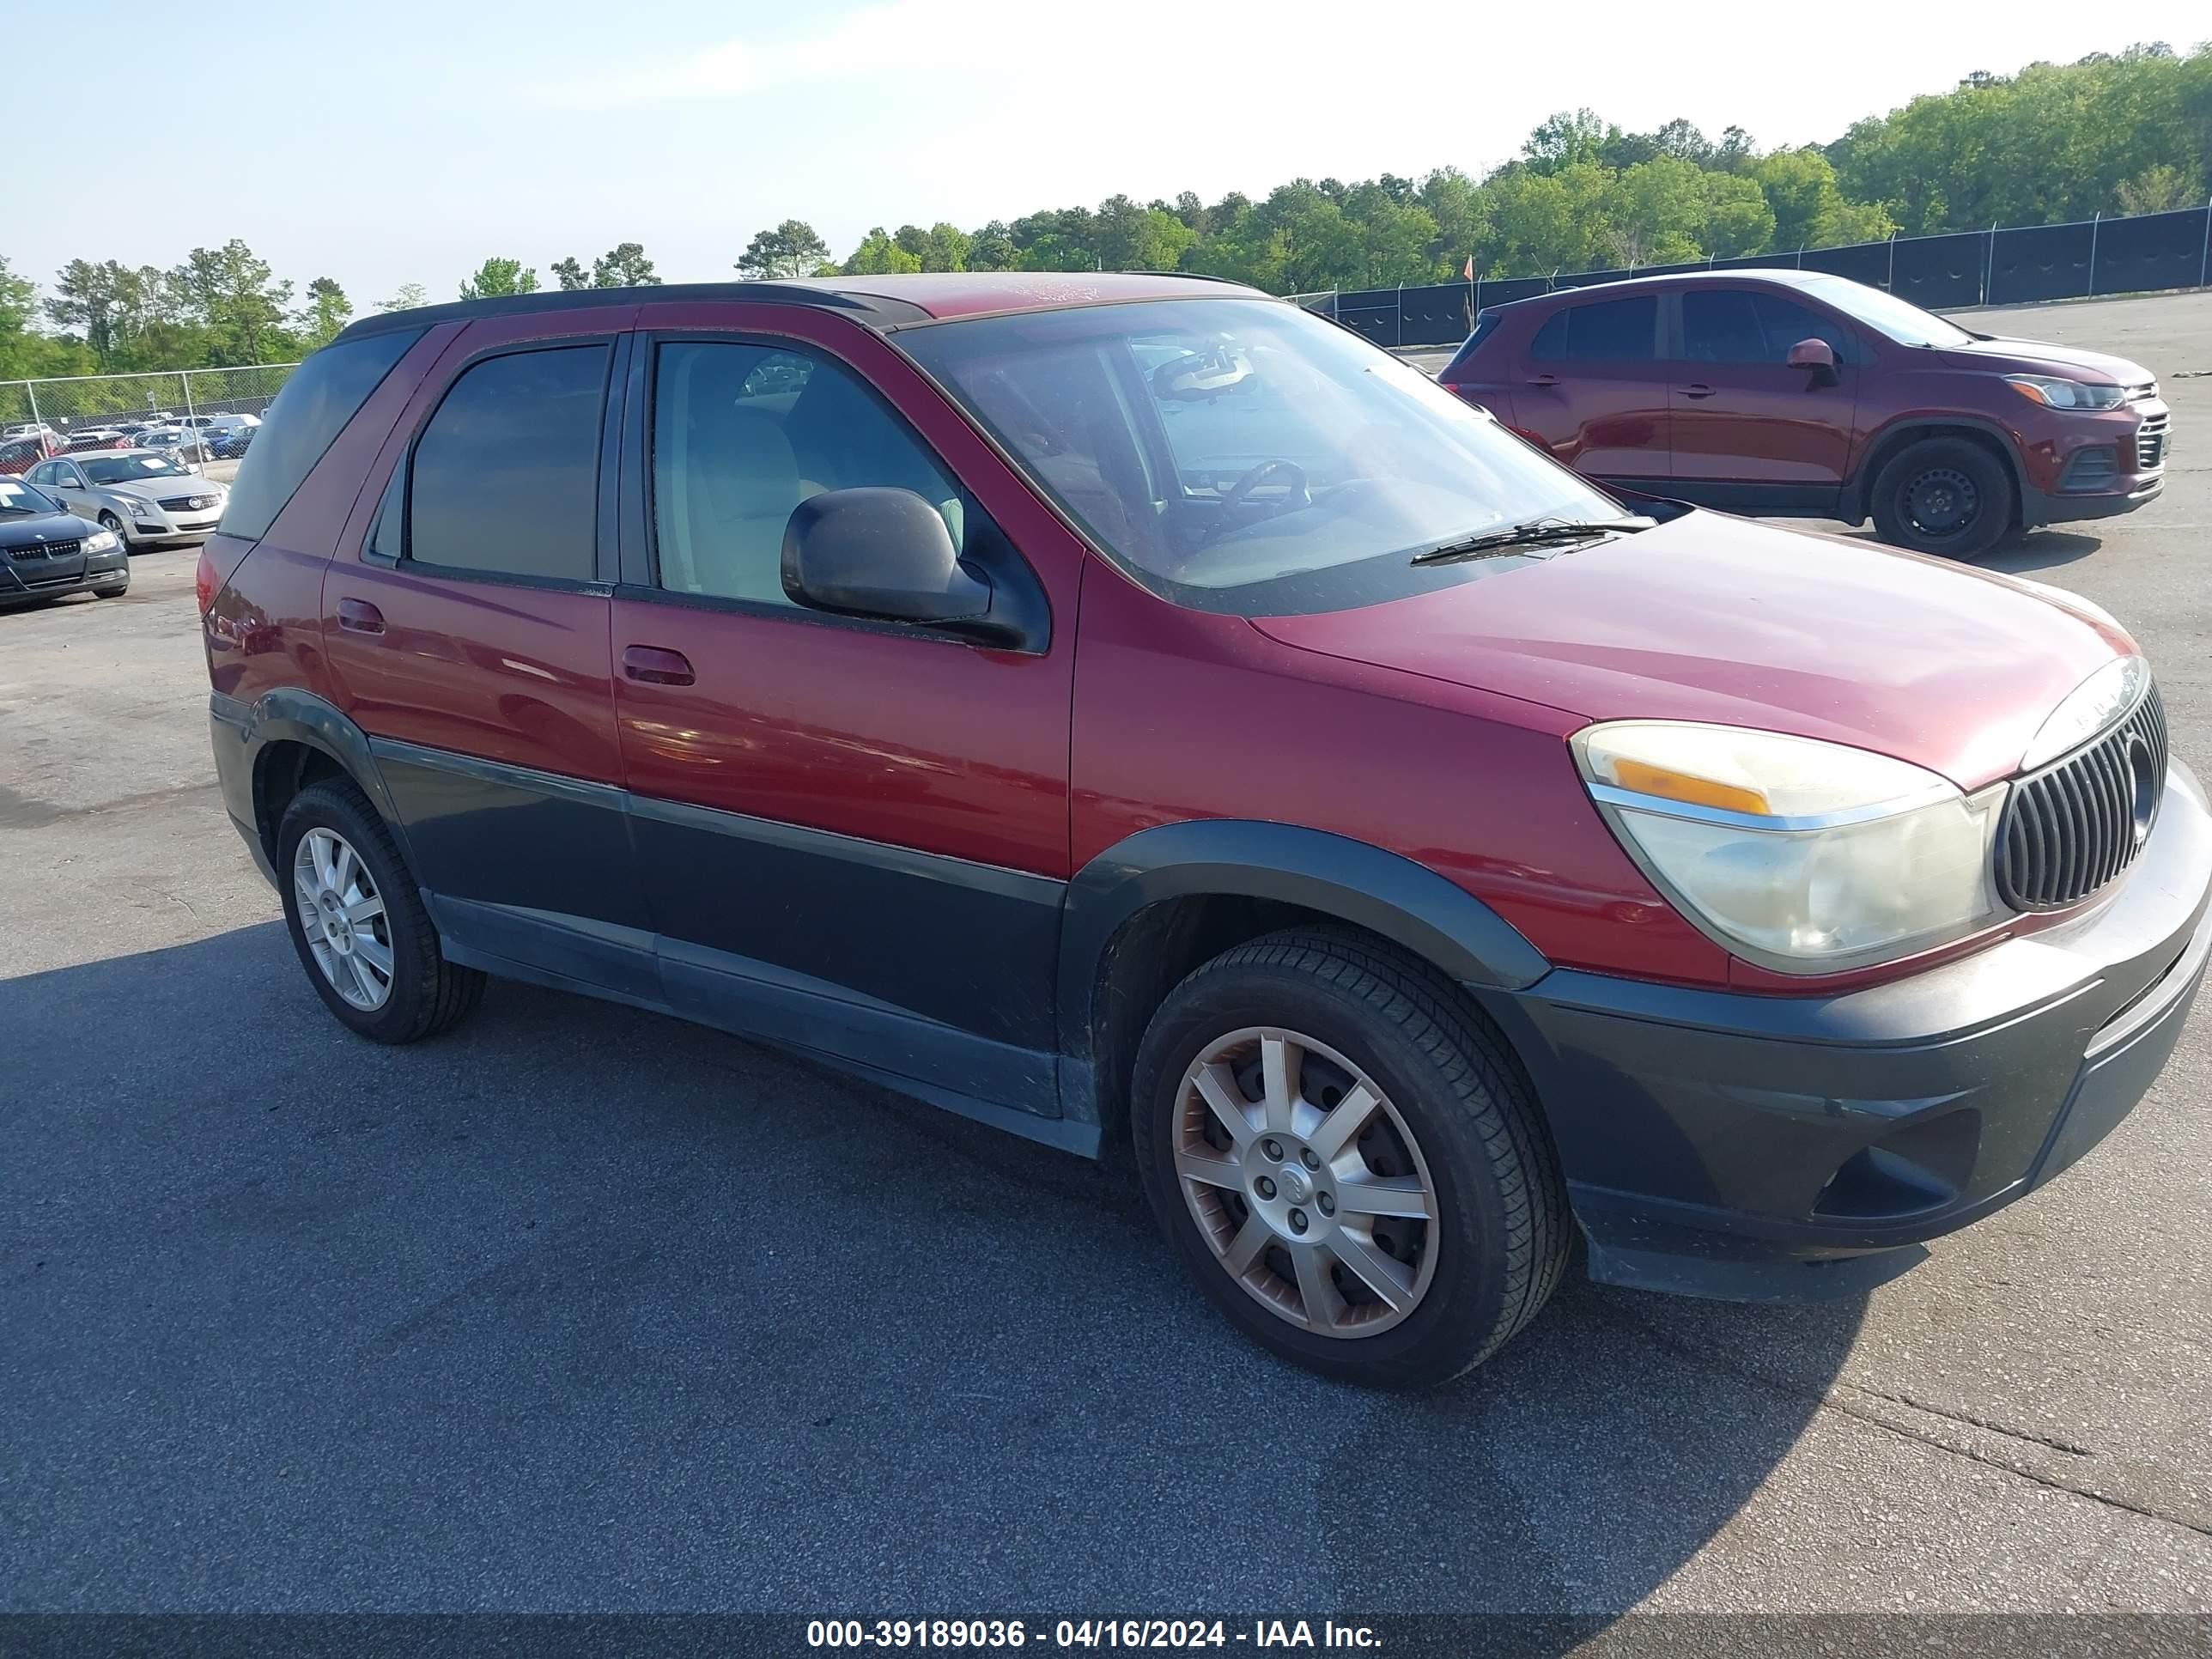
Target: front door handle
1543 379
360 616
1699 390
657 666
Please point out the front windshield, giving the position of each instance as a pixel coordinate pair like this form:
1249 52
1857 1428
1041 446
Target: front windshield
1903 321
17 497
125 469
1244 445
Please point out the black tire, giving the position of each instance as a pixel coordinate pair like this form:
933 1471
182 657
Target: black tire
427 993
115 592
1502 1238
1946 496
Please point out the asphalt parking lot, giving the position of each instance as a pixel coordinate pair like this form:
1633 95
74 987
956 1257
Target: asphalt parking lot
580 1308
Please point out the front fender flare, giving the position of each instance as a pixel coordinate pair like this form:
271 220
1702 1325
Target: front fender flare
1354 881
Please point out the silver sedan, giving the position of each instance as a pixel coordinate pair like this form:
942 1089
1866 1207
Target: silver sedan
141 495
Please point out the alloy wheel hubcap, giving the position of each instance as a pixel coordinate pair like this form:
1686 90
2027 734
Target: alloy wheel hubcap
1306 1182
341 917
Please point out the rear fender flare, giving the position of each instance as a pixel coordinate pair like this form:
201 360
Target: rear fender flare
288 714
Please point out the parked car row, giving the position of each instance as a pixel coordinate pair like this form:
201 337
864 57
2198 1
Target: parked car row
1793 393
141 496
1414 853
193 437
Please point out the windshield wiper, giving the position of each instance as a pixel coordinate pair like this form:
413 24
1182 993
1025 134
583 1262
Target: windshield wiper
1537 532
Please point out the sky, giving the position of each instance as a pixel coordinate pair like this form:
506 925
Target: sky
407 141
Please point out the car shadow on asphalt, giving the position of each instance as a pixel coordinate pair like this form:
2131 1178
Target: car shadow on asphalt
2018 556
582 1306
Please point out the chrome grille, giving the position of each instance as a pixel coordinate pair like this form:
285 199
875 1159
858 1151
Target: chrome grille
188 503
2150 442
2075 826
44 551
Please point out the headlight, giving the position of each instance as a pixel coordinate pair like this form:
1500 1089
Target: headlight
143 509
2087 709
1801 856
2065 394
100 541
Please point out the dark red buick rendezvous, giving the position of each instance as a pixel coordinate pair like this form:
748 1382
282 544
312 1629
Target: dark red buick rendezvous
1137 714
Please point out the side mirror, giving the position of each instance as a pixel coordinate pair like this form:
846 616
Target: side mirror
879 553
1817 356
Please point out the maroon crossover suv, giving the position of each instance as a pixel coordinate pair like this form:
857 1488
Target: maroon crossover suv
1789 393
1137 714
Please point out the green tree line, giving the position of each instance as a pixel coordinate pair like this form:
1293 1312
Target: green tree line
221 307
2125 133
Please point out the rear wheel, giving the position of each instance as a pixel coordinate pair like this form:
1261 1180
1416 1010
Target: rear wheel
1344 1156
358 923
1948 496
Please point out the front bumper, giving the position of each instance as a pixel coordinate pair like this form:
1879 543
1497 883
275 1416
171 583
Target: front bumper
156 524
2129 445
1765 1147
31 582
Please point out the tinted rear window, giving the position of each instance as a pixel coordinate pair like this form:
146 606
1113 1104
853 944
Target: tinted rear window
324 393
1613 331
506 474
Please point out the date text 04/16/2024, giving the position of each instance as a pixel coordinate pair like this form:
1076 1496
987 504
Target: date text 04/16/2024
1087 1633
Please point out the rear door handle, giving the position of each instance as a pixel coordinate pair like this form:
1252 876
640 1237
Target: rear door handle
657 666
1700 390
360 616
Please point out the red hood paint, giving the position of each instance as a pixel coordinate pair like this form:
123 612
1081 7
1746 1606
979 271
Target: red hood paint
1715 618
2040 357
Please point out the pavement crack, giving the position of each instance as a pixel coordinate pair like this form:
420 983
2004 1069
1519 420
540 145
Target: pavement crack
1874 1419
1858 1402
1973 1421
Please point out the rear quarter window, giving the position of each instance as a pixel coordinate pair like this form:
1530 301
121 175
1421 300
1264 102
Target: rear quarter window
1485 324
324 393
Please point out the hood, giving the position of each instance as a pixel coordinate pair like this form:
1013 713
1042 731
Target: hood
1709 618
2040 357
46 527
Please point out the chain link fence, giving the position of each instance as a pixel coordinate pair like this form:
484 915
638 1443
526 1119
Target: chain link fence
72 410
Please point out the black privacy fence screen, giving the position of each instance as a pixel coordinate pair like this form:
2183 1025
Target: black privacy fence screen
2003 266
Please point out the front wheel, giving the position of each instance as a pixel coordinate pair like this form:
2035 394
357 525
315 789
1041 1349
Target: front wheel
1344 1155
358 922
1948 496
113 526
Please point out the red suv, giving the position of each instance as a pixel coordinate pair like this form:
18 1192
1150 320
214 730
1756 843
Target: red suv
1787 393
1137 714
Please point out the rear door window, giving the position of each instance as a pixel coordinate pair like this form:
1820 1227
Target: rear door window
1606 330
324 393
506 475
